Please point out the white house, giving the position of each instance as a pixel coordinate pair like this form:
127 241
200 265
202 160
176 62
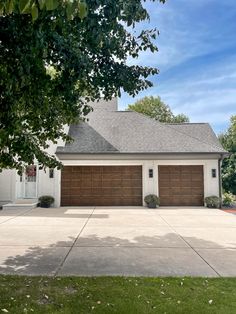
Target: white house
118 157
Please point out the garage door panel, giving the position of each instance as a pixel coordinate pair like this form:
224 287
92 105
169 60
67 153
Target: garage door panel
196 178
186 191
186 176
101 185
97 176
196 191
175 182
67 176
131 183
74 170
85 191
112 183
176 191
86 183
135 201
165 184
132 192
196 184
96 170
164 176
110 191
72 191
181 185
112 176
165 190
66 192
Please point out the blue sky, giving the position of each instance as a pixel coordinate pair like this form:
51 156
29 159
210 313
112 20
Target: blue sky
196 59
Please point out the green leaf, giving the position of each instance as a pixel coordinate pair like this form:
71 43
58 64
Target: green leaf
34 12
51 4
69 11
10 6
24 6
1 8
41 4
83 10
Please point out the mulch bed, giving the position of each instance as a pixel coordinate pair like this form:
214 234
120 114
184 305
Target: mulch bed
229 210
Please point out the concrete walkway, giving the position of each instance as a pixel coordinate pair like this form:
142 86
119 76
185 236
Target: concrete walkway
118 241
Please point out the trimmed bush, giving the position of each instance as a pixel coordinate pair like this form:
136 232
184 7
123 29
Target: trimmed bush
46 201
152 200
212 201
228 199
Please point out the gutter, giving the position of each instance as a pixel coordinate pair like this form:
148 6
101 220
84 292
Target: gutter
139 153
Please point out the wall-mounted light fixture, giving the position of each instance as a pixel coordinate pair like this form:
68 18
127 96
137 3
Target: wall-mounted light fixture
213 173
51 173
150 173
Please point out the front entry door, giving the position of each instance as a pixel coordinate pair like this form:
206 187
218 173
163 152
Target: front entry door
30 181
27 184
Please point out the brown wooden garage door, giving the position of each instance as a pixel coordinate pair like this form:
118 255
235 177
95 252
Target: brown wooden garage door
101 185
181 185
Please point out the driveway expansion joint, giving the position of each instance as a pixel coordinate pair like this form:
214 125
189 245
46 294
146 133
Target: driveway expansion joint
20 214
73 244
192 247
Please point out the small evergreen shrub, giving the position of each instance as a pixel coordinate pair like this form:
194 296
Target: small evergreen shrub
152 200
212 201
46 200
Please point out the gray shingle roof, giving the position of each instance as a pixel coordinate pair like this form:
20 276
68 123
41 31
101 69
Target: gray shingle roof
131 132
86 140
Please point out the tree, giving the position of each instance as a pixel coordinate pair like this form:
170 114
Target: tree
51 66
155 108
228 141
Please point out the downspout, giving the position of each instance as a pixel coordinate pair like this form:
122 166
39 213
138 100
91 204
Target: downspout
220 178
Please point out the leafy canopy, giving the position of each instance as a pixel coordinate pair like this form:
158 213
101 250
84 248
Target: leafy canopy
32 7
51 66
155 108
228 141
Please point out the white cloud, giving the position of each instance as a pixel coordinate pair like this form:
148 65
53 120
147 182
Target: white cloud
196 59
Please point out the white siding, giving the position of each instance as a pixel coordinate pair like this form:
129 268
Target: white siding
7 186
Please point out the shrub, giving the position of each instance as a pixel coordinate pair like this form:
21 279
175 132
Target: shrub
228 199
152 200
46 200
213 201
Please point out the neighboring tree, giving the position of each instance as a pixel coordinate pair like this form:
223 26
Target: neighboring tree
155 108
51 65
32 7
228 141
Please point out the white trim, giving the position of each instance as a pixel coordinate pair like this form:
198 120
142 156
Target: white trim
138 156
102 162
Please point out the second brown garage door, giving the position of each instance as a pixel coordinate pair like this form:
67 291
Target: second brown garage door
101 185
181 185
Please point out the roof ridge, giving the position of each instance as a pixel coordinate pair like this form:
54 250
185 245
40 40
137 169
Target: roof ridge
183 123
167 126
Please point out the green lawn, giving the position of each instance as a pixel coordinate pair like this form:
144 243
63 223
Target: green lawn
117 295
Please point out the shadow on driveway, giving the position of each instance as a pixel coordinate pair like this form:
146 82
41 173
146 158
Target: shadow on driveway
142 256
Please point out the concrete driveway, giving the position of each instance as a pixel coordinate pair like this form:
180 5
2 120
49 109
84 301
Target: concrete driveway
118 241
